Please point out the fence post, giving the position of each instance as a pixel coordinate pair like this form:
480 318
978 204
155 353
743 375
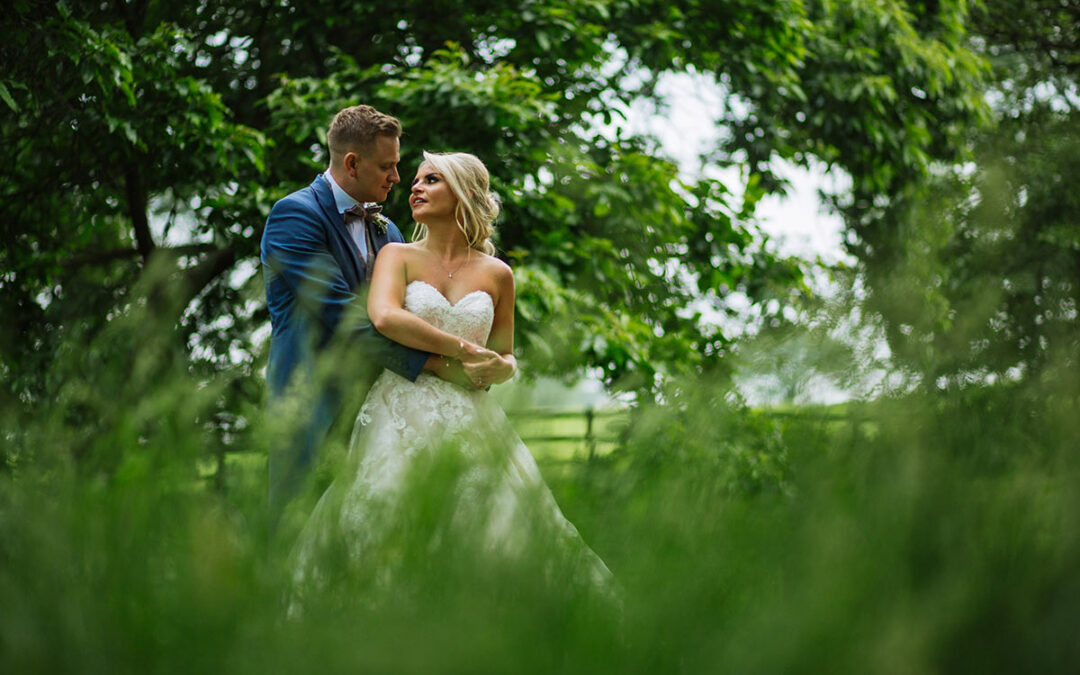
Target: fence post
219 475
590 440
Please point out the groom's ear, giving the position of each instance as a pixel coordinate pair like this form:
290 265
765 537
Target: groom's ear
350 161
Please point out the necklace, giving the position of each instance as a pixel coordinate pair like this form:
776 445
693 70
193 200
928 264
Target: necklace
450 274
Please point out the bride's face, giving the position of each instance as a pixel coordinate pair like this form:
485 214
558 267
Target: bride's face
431 199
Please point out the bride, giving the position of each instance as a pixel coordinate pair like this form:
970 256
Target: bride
445 293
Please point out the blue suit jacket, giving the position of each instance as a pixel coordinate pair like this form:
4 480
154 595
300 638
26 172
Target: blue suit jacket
313 275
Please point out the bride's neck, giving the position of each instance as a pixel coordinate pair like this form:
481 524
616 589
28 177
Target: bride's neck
448 241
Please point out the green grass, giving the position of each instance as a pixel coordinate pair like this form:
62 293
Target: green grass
935 534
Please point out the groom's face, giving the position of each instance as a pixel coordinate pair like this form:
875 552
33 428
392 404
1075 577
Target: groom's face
372 175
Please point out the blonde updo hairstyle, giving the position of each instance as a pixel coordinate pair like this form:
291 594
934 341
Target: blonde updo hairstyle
476 207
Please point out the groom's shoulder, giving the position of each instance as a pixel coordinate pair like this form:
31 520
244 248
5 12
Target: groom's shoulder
302 205
304 198
292 214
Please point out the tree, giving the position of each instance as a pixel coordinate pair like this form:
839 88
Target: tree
983 279
147 135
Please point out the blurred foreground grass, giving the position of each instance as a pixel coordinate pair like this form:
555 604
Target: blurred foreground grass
934 533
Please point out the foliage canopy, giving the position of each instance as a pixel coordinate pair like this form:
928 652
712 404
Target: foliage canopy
151 130
978 272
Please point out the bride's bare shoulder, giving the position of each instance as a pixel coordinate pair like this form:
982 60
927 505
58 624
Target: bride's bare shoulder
494 264
399 246
407 252
497 269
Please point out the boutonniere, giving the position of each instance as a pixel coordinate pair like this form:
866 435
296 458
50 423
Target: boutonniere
381 222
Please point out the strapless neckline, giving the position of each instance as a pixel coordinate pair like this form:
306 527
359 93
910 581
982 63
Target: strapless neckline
470 317
443 295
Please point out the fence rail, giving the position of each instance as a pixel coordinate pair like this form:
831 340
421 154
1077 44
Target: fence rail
595 430
591 415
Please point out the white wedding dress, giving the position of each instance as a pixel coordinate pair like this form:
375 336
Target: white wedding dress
413 440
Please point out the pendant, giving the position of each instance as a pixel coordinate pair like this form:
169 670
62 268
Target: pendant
449 275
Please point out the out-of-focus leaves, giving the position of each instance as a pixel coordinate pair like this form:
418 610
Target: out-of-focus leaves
170 128
975 268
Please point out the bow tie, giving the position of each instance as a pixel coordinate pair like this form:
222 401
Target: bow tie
361 211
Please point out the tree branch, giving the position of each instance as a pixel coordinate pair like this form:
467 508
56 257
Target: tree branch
136 199
133 14
199 277
102 257
172 293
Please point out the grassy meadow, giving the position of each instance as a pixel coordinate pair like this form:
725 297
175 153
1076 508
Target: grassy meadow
933 532
929 526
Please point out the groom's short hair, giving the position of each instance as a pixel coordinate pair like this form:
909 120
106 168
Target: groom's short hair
354 129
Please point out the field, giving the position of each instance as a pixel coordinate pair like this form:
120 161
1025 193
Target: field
928 535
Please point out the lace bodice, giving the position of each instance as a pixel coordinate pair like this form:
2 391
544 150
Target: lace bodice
470 318
430 401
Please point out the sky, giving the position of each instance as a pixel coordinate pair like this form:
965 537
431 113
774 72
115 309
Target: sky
796 223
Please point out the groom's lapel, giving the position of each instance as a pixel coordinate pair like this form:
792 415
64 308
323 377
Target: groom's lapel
380 236
336 229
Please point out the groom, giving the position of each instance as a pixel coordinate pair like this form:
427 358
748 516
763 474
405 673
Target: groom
318 250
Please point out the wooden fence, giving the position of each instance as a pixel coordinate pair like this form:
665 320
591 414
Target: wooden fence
596 431
553 426
593 430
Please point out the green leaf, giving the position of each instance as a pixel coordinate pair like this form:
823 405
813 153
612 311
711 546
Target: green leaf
6 96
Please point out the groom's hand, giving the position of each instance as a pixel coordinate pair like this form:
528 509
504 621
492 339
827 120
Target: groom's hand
450 370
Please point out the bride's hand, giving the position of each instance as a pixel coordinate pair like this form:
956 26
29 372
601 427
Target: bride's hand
474 354
492 370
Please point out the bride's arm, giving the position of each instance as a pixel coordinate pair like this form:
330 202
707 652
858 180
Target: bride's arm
501 364
386 308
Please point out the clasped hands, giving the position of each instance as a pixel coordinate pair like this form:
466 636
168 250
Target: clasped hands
475 367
